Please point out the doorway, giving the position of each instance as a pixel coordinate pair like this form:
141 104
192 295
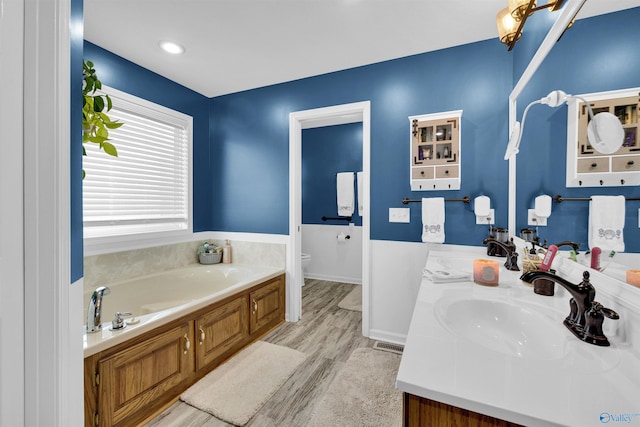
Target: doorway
359 112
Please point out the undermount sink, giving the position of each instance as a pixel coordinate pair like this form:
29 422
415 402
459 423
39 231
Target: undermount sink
504 327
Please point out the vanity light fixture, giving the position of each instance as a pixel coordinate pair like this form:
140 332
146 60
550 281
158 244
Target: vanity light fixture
511 19
171 47
604 131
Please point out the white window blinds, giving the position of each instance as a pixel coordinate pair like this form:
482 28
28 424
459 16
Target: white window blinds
146 188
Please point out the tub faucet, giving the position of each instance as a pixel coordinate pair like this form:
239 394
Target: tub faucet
587 315
510 248
94 312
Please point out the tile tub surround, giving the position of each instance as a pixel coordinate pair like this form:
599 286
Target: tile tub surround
439 365
103 269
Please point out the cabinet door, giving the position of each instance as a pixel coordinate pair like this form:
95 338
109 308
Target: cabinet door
137 381
221 331
625 109
267 305
435 141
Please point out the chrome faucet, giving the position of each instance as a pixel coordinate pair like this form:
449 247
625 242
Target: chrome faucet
510 248
94 312
587 315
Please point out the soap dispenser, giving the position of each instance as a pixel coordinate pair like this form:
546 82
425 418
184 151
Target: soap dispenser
226 253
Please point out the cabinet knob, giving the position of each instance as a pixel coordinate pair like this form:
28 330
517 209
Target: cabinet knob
630 163
446 172
593 165
187 344
202 336
421 172
255 306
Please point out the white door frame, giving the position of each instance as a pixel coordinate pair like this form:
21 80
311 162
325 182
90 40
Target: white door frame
11 216
307 119
53 375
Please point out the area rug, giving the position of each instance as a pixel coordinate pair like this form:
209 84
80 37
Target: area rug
363 393
353 300
237 389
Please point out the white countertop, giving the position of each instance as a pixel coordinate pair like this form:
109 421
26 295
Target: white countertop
576 388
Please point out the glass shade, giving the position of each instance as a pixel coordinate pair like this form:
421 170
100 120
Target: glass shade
507 26
518 8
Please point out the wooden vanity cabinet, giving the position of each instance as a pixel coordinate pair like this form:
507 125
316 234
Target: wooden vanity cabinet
419 411
221 331
267 305
132 381
137 379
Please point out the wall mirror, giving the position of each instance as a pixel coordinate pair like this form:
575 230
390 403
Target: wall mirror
597 54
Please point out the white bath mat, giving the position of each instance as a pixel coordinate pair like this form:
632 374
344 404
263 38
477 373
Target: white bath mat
353 300
237 389
363 393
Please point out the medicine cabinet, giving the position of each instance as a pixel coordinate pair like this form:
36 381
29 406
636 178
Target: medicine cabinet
435 151
588 168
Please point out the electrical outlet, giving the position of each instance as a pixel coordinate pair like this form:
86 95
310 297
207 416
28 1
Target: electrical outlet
536 220
487 220
400 215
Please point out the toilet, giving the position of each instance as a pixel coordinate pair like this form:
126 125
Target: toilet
306 259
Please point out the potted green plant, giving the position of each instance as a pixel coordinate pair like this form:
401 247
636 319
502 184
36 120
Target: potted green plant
95 122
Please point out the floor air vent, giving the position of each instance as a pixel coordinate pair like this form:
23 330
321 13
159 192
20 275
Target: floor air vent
385 346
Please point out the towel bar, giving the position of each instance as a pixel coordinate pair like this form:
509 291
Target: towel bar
340 218
465 199
559 199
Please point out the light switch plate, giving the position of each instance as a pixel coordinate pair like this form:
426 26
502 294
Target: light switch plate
536 220
487 220
400 215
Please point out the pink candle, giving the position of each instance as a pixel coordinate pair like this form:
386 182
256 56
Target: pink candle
486 272
633 277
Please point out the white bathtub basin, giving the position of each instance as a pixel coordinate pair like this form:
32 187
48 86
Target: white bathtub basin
159 298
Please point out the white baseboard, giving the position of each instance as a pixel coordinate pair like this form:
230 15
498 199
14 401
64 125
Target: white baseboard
390 337
330 278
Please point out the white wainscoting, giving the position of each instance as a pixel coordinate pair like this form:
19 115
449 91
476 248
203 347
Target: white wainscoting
331 259
396 273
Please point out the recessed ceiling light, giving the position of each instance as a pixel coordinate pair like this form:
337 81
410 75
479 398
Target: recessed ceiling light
171 47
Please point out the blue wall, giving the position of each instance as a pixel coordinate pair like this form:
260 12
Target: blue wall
118 73
241 154
325 152
250 139
596 54
535 31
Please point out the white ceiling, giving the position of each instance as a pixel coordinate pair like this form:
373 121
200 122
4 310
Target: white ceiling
235 45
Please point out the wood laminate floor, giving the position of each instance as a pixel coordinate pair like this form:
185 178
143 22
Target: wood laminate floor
326 333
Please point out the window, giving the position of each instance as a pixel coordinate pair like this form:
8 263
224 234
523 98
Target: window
146 189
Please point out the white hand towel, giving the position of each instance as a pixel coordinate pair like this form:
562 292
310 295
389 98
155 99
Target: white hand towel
606 223
360 194
433 220
441 276
344 183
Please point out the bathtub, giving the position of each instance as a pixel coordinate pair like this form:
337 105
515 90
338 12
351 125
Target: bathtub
159 298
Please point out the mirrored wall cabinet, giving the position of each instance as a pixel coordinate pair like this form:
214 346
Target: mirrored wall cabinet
588 168
435 151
